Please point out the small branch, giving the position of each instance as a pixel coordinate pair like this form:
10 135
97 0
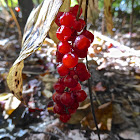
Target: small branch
85 15
89 80
79 9
91 101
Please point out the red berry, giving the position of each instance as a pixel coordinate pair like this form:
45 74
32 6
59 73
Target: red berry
56 98
83 75
53 96
67 19
79 25
80 67
75 105
70 82
72 73
59 109
110 46
59 56
78 87
70 60
88 34
81 95
62 70
63 33
59 87
71 111
64 47
81 53
57 20
73 35
17 9
65 118
74 10
61 80
81 42
67 99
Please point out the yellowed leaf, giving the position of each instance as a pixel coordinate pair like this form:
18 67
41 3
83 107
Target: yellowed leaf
14 80
103 115
36 29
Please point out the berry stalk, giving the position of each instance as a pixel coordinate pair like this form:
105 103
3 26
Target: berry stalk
89 80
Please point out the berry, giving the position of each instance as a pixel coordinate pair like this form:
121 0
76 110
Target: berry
71 111
110 46
65 118
57 20
17 9
64 47
56 98
70 82
79 25
83 75
75 105
59 56
59 109
73 35
81 53
67 99
78 87
59 87
81 42
53 96
74 10
81 95
63 33
80 67
62 70
88 34
70 60
67 19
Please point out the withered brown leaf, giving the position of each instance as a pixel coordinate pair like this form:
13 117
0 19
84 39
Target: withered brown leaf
36 29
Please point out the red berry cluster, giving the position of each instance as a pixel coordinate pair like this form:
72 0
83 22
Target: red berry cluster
74 44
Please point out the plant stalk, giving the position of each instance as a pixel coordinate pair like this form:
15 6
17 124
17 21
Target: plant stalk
89 80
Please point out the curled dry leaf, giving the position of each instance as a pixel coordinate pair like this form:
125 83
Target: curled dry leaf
36 29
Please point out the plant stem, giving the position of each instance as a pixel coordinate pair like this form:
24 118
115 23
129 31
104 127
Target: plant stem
79 9
91 101
89 80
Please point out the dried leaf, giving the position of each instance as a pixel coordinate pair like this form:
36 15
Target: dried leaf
108 16
5 96
11 104
14 80
103 116
36 30
99 87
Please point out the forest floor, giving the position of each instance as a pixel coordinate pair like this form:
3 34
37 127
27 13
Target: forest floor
115 74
